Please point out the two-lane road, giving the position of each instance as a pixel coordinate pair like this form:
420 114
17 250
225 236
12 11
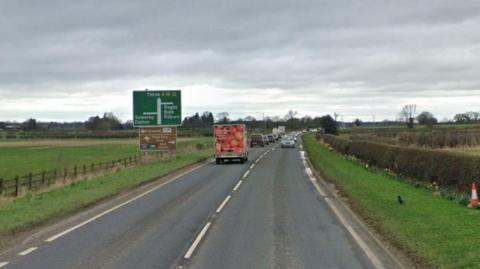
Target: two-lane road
277 220
274 218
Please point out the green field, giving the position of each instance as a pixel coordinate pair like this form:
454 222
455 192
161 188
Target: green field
22 157
418 126
439 232
469 150
33 209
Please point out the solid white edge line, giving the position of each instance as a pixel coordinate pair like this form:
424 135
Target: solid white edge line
246 174
27 251
197 241
219 209
373 258
50 239
2 264
238 185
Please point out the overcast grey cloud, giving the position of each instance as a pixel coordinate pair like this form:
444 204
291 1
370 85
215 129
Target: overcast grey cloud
67 60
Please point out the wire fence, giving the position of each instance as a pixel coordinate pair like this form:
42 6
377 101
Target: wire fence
20 185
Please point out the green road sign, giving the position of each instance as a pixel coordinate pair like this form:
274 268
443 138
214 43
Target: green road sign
154 108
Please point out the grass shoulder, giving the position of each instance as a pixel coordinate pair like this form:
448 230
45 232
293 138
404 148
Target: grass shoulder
436 231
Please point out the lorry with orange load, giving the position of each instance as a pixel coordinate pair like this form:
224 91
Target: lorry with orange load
230 142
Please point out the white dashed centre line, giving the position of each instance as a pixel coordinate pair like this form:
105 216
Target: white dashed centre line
246 174
219 209
27 251
252 166
197 241
238 185
2 264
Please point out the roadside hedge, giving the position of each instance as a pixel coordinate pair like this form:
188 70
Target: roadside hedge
448 169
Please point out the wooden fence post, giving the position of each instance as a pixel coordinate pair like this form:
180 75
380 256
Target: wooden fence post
92 168
1 186
84 170
54 175
75 171
130 160
125 162
17 186
43 177
30 176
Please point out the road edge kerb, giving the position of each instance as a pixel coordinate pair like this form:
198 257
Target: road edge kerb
18 239
358 221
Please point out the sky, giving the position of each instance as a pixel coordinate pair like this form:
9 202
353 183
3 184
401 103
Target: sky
68 60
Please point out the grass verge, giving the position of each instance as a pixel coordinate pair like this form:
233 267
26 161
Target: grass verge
34 209
28 157
434 231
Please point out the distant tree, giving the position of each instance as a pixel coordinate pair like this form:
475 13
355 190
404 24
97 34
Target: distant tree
222 117
468 117
474 116
357 122
197 121
329 125
426 118
462 118
306 122
408 115
108 122
207 119
29 125
290 115
128 125
2 125
249 118
293 124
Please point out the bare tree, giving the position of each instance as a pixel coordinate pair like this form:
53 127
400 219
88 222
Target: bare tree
249 118
408 114
275 118
222 117
290 115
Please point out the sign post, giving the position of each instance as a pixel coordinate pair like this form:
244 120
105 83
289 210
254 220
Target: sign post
158 138
157 113
157 108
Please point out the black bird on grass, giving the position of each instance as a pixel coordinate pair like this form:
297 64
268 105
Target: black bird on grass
400 200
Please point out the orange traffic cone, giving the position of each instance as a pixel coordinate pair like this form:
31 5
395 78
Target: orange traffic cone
474 199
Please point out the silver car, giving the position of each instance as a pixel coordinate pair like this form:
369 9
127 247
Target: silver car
287 142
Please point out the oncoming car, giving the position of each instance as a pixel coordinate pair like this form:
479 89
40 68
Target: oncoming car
287 142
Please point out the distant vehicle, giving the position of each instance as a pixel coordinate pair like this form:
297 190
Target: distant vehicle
230 142
257 140
287 142
281 129
271 138
265 140
291 136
